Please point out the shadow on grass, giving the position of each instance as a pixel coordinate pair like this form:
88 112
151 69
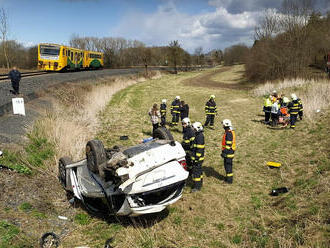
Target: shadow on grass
147 133
258 121
210 172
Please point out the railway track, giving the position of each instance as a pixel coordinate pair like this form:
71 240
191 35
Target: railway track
24 74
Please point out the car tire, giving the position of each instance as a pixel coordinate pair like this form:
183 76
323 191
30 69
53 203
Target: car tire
95 154
62 163
163 133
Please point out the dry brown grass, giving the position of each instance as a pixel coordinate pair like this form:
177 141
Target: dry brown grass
74 117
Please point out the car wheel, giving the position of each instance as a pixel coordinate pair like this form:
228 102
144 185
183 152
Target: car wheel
163 133
95 154
62 163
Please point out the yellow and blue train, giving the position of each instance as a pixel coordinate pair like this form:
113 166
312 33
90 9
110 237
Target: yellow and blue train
53 57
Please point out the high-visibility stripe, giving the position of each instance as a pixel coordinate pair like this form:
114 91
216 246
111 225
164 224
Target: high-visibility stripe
201 158
227 147
198 154
228 142
230 155
230 174
199 146
192 138
186 141
210 113
197 179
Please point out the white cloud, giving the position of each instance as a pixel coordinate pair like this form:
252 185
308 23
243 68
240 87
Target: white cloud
217 29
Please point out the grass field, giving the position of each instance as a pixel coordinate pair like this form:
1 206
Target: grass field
238 215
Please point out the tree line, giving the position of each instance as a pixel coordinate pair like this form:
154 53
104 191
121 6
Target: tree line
286 43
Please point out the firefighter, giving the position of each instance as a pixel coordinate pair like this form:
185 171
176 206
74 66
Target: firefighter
184 110
163 112
210 111
275 112
294 108
175 111
228 149
301 109
197 157
188 139
267 108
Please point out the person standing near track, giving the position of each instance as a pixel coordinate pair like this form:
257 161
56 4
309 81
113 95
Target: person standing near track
15 77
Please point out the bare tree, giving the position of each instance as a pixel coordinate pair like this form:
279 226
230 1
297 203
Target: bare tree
199 56
4 33
174 54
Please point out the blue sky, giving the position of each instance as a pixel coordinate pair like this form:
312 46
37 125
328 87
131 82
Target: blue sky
207 23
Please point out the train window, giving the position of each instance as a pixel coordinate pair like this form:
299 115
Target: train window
71 55
63 52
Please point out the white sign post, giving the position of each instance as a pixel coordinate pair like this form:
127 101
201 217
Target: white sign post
18 106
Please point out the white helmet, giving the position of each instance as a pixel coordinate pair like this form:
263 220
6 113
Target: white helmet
294 97
286 100
212 96
1 153
226 123
198 126
164 101
274 91
186 121
177 97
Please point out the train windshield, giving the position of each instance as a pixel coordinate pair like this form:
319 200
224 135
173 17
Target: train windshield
49 50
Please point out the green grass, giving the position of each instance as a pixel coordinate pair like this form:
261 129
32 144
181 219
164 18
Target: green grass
82 218
13 161
38 150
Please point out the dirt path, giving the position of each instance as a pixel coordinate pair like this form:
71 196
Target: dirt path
206 80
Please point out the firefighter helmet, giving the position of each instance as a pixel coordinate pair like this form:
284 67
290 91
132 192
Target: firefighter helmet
164 101
212 96
294 97
186 121
198 126
226 123
177 97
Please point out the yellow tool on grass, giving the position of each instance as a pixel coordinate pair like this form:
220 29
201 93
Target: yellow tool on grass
274 164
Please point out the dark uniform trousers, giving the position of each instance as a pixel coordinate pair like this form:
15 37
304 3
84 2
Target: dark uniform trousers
210 111
163 114
294 108
175 111
197 160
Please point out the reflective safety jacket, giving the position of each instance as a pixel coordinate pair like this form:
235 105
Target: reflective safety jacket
198 147
268 102
229 143
163 109
294 107
175 107
210 107
188 138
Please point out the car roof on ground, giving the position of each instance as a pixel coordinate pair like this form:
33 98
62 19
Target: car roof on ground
134 150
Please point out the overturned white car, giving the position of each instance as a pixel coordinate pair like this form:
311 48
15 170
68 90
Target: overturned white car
138 180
